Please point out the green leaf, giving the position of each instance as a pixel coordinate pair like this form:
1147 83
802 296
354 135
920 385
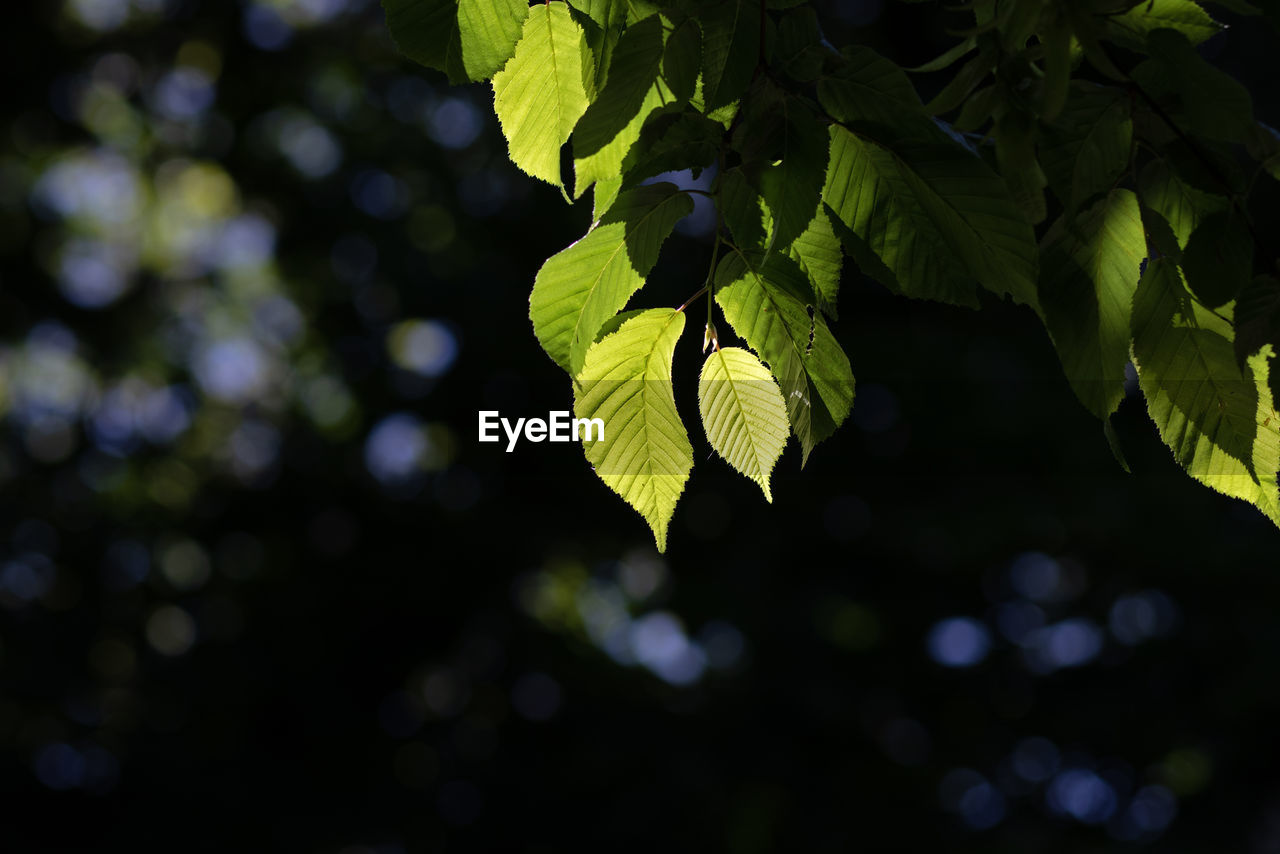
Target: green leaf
870 89
602 22
1016 156
1257 318
947 59
1056 37
1180 204
488 31
818 253
743 413
1131 28
424 31
792 188
580 287
542 92
682 59
980 107
1087 29
742 210
606 191
936 216
1088 276
1218 259
611 125
965 81
800 53
645 455
1087 149
1219 420
1211 102
730 50
672 141
766 300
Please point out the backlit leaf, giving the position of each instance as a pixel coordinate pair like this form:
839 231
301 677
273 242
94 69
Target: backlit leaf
645 455
743 413
543 90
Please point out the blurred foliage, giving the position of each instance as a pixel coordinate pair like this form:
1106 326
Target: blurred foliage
260 588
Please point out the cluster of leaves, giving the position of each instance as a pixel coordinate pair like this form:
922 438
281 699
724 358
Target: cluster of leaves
1095 123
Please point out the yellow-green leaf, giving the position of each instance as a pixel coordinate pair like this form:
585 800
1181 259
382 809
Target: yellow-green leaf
645 455
743 413
540 94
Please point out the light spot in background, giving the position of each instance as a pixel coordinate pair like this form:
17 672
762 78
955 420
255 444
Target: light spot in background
1069 643
426 347
723 644
254 446
969 795
1018 621
93 274
183 94
231 369
1150 812
379 194
659 643
61 766
185 564
445 692
536 697
277 320
1082 795
958 642
395 448
1142 616
1036 576
101 15
328 402
170 630
602 607
164 414
26 578
265 28
641 574
309 147
247 240
48 378
1035 759
455 123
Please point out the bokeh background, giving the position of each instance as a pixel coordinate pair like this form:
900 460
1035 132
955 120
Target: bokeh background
260 588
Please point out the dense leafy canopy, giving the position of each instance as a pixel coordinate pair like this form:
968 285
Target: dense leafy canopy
1080 158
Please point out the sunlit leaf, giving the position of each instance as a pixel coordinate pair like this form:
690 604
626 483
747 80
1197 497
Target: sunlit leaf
767 302
1218 419
1087 280
543 90
580 287
743 413
937 217
645 455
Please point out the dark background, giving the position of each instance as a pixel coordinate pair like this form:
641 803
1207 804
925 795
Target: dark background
260 588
